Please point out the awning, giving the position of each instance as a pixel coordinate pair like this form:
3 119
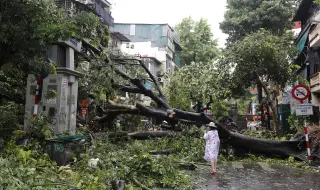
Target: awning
302 38
120 36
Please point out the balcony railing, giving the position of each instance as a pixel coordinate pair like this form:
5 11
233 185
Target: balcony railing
106 16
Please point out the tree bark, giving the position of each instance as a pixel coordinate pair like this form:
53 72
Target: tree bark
271 103
253 145
271 148
144 135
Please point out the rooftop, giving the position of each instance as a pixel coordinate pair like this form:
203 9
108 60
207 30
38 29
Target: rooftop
147 24
120 36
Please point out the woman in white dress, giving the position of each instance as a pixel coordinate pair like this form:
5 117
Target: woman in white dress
212 147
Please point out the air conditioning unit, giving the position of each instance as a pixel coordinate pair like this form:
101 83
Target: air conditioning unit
314 36
160 80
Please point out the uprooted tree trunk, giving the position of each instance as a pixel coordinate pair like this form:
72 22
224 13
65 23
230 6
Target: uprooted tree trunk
295 148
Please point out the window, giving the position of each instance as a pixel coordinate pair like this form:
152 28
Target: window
132 30
315 68
152 68
170 45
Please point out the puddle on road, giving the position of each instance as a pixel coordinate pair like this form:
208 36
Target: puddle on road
254 177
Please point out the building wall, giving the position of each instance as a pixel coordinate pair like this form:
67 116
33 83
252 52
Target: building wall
156 37
145 49
143 33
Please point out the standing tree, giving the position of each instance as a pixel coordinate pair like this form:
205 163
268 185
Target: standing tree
27 28
245 17
265 59
200 81
196 41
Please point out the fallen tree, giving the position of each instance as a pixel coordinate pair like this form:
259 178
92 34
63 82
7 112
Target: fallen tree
163 111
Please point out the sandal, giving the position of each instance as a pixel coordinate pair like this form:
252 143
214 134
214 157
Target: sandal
213 173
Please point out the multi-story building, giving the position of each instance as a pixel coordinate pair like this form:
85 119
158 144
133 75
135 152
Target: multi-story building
158 42
99 7
308 43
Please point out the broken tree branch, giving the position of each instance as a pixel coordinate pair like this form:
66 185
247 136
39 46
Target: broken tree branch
129 89
152 78
144 90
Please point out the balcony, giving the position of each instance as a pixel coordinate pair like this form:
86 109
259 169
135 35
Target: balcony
105 15
314 36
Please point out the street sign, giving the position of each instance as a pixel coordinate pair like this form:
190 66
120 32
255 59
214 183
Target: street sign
304 109
300 92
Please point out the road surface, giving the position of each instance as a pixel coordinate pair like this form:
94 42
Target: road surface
236 176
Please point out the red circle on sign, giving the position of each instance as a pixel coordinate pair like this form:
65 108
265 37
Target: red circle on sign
306 96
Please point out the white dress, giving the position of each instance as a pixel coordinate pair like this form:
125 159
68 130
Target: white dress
212 146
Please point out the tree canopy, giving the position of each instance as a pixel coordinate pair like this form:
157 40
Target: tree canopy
27 28
197 82
265 59
265 55
246 16
197 41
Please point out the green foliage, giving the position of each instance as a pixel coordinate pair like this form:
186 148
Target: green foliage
51 94
201 81
130 122
271 135
196 41
243 104
10 117
296 122
246 17
27 28
40 128
265 55
31 168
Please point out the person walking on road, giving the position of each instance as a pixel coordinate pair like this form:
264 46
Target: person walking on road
212 146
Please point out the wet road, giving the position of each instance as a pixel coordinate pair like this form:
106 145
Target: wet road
260 176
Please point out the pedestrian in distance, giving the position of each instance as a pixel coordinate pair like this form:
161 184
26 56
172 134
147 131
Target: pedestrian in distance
212 146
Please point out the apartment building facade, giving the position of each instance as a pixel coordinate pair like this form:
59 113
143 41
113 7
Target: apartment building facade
308 43
160 43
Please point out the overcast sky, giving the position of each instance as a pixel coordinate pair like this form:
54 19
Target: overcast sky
171 12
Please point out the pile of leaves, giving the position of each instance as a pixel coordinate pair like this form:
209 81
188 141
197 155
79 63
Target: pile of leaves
266 134
28 166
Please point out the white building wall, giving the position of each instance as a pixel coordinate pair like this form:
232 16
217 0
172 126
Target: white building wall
146 50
